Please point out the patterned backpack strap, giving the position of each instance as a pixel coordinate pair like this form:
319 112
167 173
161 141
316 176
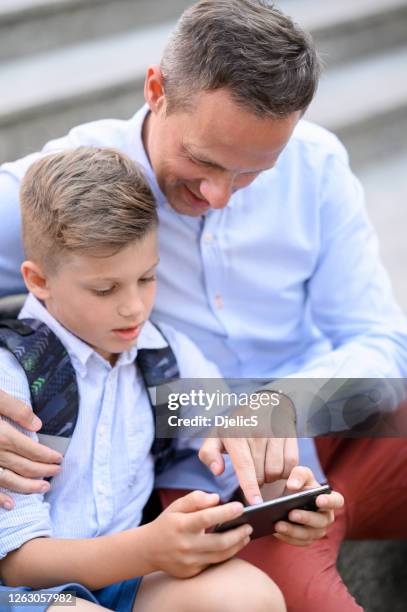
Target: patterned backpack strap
159 367
50 375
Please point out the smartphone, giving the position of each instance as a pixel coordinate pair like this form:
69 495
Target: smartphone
262 517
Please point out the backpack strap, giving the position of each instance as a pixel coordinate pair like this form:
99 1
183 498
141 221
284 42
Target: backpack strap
50 376
54 389
159 367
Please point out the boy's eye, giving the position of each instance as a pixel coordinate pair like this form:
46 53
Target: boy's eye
102 292
148 279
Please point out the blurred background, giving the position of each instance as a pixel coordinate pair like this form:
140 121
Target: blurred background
64 62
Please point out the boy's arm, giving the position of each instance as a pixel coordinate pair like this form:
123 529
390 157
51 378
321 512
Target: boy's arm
94 562
176 543
30 517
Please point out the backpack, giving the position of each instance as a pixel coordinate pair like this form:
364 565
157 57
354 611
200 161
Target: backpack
53 386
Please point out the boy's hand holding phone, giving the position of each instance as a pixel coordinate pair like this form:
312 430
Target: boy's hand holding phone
177 543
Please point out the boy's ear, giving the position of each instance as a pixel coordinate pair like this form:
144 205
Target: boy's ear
154 88
35 280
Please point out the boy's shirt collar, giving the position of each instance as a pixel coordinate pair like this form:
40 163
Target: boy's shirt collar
80 352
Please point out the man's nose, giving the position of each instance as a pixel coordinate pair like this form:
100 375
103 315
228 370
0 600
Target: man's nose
217 191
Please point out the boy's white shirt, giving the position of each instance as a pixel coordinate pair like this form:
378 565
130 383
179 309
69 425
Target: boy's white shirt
108 472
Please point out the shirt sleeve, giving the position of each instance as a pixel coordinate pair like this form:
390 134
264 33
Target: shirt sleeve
350 294
352 304
190 472
30 517
11 250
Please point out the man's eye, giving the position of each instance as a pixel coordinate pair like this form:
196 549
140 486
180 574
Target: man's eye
201 162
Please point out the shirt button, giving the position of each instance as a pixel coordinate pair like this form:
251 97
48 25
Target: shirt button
208 238
218 301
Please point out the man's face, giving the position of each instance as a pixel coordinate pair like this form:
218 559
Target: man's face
106 300
202 156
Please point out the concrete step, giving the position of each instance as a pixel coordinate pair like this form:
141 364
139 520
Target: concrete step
44 95
385 184
34 26
51 92
349 29
365 104
375 573
343 30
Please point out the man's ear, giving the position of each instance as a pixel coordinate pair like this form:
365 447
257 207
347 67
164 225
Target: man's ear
35 280
154 88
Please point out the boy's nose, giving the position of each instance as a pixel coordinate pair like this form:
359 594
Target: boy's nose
131 308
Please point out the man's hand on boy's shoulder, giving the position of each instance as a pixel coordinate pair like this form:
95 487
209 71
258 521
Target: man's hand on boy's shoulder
255 460
22 460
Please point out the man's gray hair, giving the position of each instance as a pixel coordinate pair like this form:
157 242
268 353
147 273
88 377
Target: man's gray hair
269 65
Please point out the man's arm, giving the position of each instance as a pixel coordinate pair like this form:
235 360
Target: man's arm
352 304
350 294
11 250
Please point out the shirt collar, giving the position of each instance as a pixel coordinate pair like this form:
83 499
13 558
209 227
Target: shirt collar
79 352
138 153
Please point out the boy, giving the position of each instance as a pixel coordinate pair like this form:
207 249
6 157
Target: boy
89 232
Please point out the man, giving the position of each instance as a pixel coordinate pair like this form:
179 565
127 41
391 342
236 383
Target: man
278 271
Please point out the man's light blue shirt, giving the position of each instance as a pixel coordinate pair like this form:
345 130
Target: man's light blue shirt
286 280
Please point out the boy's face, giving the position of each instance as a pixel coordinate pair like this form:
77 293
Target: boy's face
106 300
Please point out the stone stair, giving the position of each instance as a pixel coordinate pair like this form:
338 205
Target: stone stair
376 574
63 62
28 27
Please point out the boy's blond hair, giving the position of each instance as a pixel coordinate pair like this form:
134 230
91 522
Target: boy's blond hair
86 200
